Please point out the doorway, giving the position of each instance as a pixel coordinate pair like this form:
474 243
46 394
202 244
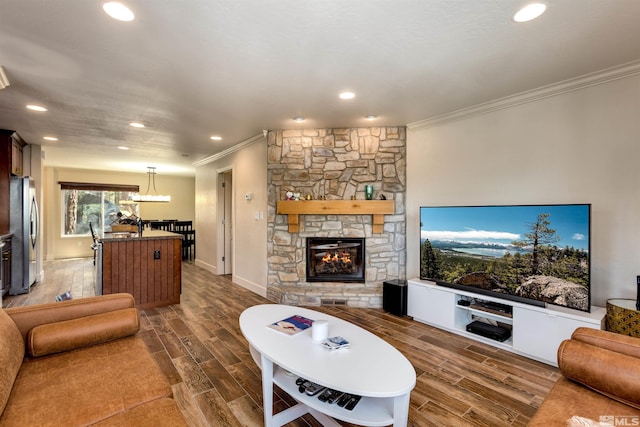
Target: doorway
225 198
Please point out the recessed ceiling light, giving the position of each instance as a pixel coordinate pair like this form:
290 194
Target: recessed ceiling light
298 119
118 11
529 12
347 95
122 147
136 125
216 138
371 117
50 138
36 107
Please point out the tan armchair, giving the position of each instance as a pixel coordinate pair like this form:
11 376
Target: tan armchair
600 383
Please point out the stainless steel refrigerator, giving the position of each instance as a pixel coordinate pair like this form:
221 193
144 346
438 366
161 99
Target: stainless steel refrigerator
23 224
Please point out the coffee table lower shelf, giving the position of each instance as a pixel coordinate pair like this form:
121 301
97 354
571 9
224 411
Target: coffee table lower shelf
370 411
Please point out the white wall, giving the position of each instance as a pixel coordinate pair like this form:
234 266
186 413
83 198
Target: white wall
249 168
180 188
581 146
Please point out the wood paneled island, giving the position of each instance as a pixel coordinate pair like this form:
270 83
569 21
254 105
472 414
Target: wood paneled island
147 267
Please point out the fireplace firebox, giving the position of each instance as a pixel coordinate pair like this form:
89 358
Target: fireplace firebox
335 259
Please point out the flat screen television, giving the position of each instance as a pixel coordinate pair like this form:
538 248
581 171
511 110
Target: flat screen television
534 254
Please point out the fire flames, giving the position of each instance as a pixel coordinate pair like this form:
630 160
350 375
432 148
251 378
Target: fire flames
343 257
335 263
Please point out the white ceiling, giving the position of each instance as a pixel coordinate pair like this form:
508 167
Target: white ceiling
189 69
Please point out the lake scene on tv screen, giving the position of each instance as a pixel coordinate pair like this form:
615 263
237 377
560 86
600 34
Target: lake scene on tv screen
532 252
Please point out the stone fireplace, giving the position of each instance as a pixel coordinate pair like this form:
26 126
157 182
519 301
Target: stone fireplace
335 165
335 259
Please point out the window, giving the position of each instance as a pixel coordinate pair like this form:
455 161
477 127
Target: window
98 204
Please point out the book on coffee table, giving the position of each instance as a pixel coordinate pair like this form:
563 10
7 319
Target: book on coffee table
292 324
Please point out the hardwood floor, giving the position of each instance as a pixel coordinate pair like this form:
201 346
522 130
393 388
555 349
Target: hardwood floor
199 347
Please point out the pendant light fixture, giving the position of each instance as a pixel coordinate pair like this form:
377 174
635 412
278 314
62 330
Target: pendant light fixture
155 197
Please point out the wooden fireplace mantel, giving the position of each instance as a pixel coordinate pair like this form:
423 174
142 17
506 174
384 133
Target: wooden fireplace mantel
376 208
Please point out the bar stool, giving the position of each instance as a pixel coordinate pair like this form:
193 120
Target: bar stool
182 226
188 244
94 245
161 225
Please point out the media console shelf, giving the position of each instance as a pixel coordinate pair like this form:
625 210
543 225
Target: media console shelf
294 208
536 331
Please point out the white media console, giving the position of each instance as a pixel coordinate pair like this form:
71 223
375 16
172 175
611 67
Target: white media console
536 331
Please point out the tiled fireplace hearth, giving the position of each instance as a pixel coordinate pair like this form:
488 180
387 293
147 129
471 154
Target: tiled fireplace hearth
335 164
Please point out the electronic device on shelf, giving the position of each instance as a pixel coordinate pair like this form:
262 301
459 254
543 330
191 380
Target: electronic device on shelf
492 307
496 333
349 401
329 395
352 402
313 389
308 387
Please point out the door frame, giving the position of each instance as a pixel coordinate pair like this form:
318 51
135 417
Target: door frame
221 266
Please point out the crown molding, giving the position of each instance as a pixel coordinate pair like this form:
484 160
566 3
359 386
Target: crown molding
578 83
239 146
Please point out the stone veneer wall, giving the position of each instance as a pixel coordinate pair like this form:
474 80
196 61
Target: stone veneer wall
336 164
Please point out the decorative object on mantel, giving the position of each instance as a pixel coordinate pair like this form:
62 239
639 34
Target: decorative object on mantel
368 192
377 208
151 171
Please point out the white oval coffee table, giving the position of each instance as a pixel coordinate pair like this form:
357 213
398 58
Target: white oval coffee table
371 368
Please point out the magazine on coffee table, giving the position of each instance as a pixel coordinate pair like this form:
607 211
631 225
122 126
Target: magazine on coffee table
335 343
292 324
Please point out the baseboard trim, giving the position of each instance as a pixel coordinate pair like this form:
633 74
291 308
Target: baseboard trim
249 285
210 268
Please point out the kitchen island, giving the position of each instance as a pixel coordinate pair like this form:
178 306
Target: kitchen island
149 267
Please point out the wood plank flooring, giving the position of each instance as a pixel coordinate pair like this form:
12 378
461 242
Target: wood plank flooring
199 346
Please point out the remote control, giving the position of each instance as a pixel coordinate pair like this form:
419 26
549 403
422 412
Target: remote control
329 395
344 399
334 397
324 395
352 402
313 389
302 387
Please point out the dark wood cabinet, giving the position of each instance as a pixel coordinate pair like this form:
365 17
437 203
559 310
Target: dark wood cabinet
16 155
5 176
11 159
148 267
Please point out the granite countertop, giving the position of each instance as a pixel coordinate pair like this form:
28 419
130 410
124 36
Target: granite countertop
6 236
146 235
